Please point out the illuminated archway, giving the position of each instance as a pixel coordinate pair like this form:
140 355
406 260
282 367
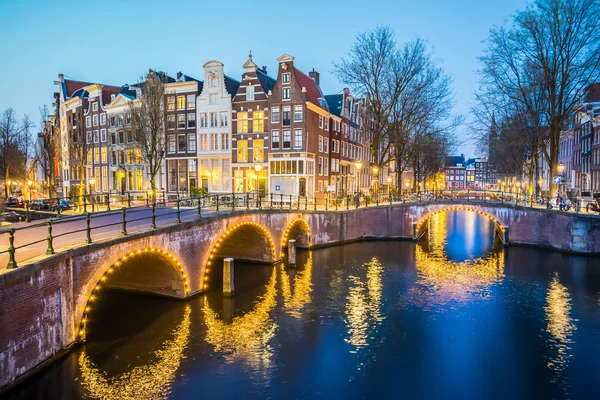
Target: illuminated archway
168 261
421 222
230 234
297 229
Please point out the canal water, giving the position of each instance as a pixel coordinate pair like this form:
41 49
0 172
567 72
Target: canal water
455 316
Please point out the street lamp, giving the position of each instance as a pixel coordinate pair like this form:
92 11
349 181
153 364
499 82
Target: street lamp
358 167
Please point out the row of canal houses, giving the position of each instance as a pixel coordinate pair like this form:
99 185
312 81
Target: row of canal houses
274 134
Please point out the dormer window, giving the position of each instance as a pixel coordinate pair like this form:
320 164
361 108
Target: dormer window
212 80
285 78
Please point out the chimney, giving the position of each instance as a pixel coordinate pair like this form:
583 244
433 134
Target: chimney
315 75
179 75
264 68
112 97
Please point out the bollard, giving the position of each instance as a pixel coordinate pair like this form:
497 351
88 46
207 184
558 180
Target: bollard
164 199
547 202
228 285
199 207
178 220
153 223
390 199
12 263
88 229
124 221
50 249
27 216
357 202
292 253
217 204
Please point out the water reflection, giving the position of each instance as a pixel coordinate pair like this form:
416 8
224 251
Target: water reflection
560 327
151 381
294 303
363 305
445 279
247 337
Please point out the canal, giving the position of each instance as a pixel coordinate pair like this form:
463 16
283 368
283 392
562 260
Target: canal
455 316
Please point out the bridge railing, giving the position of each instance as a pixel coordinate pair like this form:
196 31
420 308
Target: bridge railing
27 242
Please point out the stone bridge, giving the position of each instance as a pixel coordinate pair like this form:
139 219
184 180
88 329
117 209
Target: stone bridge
44 306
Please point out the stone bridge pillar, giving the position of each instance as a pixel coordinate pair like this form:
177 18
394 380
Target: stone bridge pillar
228 285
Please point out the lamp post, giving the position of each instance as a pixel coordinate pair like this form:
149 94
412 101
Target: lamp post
92 182
376 179
358 167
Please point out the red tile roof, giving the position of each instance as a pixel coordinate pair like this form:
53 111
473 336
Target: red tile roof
72 86
313 92
107 91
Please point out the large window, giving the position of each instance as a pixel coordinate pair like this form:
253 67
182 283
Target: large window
297 113
285 93
181 144
258 124
203 122
286 116
95 119
297 139
104 155
214 141
88 122
213 120
129 156
212 98
249 92
242 151
171 124
191 102
224 141
275 115
259 150
287 139
103 135
171 103
203 142
181 102
139 180
275 140
224 119
102 119
192 143
138 155
96 155
285 77
191 120
180 121
242 122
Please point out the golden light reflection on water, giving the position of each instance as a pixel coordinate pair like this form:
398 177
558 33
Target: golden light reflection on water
363 314
152 381
247 337
294 303
560 324
448 280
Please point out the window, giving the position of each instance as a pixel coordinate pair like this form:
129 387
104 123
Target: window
172 147
171 121
95 119
191 102
203 121
121 157
320 166
285 94
275 115
113 138
103 135
104 155
95 106
129 137
180 121
203 142
171 103
113 121
224 119
213 120
242 151
285 77
249 92
258 125
88 122
96 137
138 179
212 98
181 144
287 139
191 120
88 137
102 119
242 122
326 166
275 140
138 155
224 141
286 116
89 156
259 151
326 145
104 178
192 143
214 141
121 137
297 113
96 155
320 143
297 138
181 102
326 124
321 121
212 80
120 120
129 156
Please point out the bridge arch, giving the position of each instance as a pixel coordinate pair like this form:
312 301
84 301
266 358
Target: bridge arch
460 207
137 271
225 246
299 230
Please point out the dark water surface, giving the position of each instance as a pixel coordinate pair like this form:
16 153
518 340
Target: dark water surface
455 316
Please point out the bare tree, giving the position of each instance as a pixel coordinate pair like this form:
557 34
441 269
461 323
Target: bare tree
147 124
45 149
544 61
15 146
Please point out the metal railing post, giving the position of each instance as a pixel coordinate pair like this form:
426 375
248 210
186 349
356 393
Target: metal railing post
315 199
290 201
347 203
298 203
88 229
377 199
108 202
124 221
153 223
281 201
271 203
27 215
147 198
247 201
199 207
84 204
58 207
50 249
233 201
178 220
336 204
305 203
128 199
217 196
326 202
12 263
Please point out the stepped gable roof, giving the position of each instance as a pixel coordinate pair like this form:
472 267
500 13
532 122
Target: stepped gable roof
334 101
231 85
265 80
313 91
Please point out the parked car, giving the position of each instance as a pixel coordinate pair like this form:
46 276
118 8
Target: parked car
40 205
64 205
16 202
12 216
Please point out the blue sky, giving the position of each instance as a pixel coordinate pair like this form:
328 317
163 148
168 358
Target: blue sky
115 42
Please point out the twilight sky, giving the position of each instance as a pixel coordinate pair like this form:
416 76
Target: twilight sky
116 41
